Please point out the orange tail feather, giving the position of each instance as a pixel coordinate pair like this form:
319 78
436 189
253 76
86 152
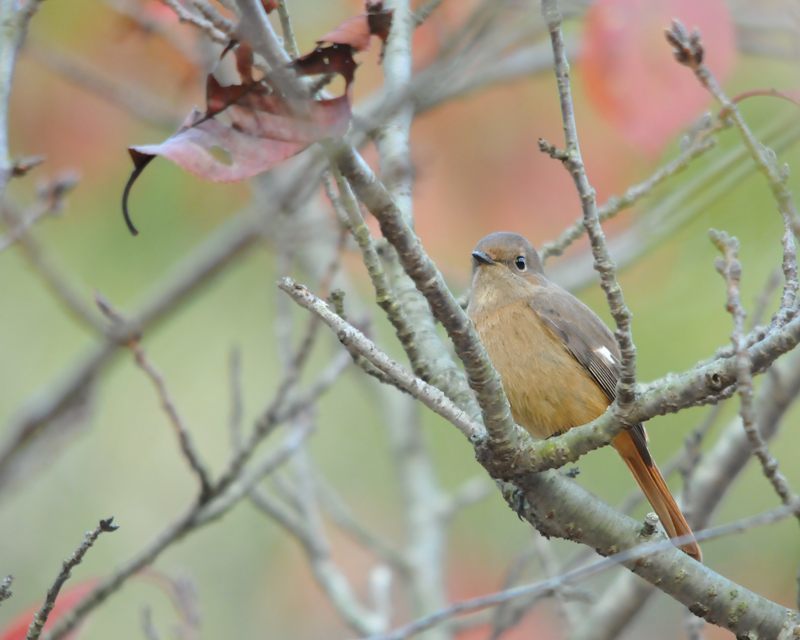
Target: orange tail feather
655 489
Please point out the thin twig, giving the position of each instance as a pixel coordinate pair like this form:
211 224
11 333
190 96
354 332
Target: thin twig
731 269
615 205
181 430
148 625
711 482
571 157
340 513
289 39
482 377
349 213
223 496
689 51
54 276
211 14
233 485
426 531
40 618
207 26
283 515
23 224
581 573
469 493
132 98
176 421
362 618
353 338
14 19
424 12
5 587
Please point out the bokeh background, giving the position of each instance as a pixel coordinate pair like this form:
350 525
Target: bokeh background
477 169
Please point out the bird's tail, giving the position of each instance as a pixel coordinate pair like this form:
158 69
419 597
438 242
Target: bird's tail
655 489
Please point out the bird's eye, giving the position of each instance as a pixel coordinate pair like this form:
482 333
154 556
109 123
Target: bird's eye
519 263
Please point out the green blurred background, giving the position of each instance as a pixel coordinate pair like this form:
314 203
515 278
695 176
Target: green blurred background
477 169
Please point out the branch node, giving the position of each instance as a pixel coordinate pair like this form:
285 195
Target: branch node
553 151
649 526
687 47
107 525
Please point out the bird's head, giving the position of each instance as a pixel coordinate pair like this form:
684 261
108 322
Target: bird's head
506 250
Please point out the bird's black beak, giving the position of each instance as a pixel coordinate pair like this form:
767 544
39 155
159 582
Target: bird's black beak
481 257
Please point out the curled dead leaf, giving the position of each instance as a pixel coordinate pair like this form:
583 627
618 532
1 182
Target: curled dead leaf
250 127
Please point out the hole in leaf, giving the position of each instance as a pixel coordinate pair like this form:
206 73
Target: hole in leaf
221 155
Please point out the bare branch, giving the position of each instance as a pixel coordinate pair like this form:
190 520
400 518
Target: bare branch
199 514
210 258
731 270
40 618
699 146
706 383
54 278
14 18
689 51
339 512
202 22
349 213
176 421
289 39
470 492
210 13
483 379
351 337
133 99
424 12
647 549
5 588
711 481
573 161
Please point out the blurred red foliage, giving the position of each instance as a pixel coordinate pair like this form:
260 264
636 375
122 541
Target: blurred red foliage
18 627
629 73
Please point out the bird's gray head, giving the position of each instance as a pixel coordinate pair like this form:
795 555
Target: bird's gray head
508 250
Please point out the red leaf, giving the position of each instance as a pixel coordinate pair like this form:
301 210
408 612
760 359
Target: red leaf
262 128
254 143
244 62
337 58
269 5
379 19
66 601
630 75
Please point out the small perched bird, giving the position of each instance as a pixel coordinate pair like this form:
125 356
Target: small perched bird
557 360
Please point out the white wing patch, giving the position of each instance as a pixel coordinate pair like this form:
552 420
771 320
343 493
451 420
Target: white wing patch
604 353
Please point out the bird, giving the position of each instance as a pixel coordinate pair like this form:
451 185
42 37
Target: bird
557 360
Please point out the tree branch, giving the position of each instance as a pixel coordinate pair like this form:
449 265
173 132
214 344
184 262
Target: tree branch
603 264
40 618
353 339
742 609
731 270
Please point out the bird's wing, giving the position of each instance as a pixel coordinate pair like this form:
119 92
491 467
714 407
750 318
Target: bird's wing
589 341
583 334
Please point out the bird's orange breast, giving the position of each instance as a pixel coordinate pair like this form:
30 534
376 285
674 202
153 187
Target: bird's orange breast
548 389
